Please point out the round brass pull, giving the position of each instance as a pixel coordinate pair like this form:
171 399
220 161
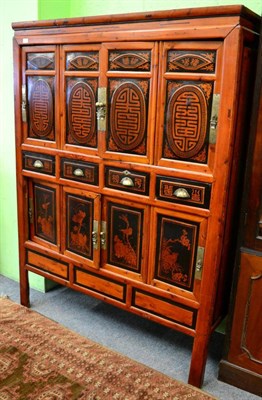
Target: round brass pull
78 172
127 181
181 193
38 164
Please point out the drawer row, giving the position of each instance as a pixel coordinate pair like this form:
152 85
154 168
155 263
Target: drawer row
169 189
146 303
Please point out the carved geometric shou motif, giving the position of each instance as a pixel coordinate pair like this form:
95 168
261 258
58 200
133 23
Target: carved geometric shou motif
45 212
81 112
129 60
37 61
191 61
79 218
128 116
176 248
41 107
82 61
187 116
125 244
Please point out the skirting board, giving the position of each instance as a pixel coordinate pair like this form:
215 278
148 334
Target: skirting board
240 377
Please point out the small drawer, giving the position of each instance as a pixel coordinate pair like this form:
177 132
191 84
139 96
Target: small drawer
132 182
79 171
43 163
98 284
183 191
48 264
164 308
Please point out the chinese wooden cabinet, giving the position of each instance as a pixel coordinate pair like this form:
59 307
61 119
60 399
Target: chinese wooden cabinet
130 133
241 365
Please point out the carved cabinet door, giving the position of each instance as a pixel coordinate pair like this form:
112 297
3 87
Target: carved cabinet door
178 249
189 90
80 80
129 78
124 237
39 92
81 226
43 214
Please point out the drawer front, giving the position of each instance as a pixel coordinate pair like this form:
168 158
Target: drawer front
183 191
36 162
98 284
48 264
164 308
79 171
132 182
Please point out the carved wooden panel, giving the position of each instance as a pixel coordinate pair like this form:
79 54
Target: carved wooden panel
82 61
128 115
41 105
176 251
81 111
79 221
186 123
130 60
40 61
125 236
191 61
45 212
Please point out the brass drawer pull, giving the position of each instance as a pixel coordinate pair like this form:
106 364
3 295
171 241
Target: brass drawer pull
126 181
181 193
38 164
78 172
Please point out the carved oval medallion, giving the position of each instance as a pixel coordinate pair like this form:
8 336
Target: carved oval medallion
187 121
81 113
128 116
41 108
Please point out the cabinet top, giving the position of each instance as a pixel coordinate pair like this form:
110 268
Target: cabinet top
163 15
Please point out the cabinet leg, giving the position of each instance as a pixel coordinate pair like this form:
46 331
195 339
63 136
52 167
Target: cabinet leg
24 288
198 360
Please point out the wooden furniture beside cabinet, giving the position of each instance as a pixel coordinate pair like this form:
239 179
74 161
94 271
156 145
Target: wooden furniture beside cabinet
130 132
241 365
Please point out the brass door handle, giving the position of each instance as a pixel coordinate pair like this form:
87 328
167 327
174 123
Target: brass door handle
100 110
94 239
24 104
103 239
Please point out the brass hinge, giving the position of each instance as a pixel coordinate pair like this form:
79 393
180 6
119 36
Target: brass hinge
214 119
199 262
31 210
101 109
103 235
95 234
24 104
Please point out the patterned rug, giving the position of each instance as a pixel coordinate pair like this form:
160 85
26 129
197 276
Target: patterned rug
42 360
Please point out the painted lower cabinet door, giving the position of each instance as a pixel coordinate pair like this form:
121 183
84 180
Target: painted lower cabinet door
125 238
81 226
44 214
